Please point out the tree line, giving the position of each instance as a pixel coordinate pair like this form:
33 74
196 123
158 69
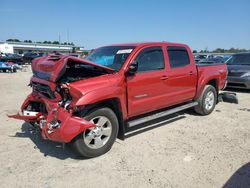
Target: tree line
222 50
44 42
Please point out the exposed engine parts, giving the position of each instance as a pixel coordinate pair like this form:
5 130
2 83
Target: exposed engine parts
54 124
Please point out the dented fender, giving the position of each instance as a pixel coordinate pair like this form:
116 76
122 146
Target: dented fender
70 126
58 124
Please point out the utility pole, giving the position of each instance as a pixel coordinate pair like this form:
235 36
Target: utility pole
67 35
59 38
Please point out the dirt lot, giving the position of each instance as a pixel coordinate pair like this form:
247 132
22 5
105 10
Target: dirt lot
193 151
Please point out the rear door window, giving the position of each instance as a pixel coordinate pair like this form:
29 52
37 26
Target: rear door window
178 57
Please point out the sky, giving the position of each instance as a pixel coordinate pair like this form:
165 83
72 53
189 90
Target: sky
201 24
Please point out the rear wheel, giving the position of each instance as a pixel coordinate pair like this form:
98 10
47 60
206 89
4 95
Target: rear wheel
98 140
207 101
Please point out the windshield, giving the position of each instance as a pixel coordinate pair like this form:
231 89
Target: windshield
239 59
111 56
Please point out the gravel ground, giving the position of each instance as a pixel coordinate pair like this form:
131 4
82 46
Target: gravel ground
193 151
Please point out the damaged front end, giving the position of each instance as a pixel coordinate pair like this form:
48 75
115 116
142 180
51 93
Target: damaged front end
55 122
50 106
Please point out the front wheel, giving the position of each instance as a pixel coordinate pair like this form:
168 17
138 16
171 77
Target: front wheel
207 101
96 141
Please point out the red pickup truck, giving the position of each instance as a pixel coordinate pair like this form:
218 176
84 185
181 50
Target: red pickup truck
90 102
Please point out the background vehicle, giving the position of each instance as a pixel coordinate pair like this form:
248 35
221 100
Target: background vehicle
89 102
15 58
212 60
2 55
29 56
239 71
199 58
7 68
226 57
16 66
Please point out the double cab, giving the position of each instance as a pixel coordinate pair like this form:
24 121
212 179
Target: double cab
90 102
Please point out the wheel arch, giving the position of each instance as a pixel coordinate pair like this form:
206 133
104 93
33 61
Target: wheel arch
213 82
115 105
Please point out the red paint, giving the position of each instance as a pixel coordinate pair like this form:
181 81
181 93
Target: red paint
25 117
154 89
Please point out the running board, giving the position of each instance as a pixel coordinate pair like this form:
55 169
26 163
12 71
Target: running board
161 114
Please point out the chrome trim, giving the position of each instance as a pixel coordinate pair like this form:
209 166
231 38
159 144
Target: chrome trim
141 96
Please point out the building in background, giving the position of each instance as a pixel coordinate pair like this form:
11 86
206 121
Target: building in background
23 47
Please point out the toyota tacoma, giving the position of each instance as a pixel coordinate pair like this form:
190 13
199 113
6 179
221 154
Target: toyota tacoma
90 102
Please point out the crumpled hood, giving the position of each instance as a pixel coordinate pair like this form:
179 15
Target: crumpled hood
52 67
82 87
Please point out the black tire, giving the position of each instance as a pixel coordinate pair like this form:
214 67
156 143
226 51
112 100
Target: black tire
4 70
201 107
82 148
14 70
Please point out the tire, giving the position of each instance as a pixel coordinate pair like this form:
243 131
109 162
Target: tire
14 70
96 141
207 101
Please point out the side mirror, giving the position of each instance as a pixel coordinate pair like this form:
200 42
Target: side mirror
133 67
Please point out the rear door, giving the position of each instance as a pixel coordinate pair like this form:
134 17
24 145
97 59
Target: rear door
146 87
182 74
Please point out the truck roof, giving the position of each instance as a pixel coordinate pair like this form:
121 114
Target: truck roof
137 44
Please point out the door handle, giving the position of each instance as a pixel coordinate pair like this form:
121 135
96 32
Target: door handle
190 73
164 77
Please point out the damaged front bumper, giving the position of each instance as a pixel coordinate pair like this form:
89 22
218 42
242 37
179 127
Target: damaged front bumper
228 97
57 123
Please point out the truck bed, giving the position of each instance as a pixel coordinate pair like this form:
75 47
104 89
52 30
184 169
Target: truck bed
217 71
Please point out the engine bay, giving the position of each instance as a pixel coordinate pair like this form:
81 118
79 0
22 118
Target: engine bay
77 71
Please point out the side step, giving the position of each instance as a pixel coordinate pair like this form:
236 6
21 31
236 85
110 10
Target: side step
161 114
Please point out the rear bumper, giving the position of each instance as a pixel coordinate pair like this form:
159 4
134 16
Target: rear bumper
238 82
58 124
